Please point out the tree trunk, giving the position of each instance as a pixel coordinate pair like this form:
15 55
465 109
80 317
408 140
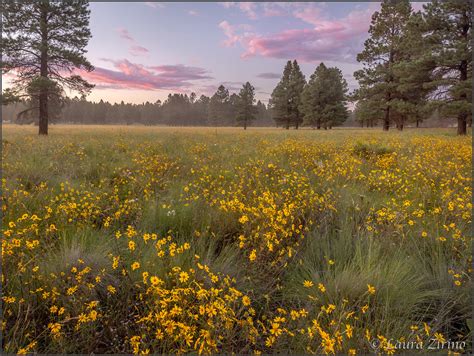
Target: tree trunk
386 120
462 124
245 125
43 95
287 124
417 123
462 116
318 124
367 124
296 125
400 127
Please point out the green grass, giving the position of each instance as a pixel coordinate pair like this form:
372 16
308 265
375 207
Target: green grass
357 195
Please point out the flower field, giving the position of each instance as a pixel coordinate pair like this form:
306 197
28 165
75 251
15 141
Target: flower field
191 240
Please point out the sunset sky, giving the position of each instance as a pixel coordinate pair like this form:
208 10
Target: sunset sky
143 51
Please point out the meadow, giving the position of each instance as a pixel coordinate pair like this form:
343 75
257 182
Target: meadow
198 240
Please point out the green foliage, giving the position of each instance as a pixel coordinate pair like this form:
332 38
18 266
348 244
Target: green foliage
447 32
246 110
219 107
382 51
286 97
324 98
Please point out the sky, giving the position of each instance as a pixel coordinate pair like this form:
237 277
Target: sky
143 51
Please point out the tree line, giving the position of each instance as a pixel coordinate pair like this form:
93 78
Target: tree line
414 64
221 109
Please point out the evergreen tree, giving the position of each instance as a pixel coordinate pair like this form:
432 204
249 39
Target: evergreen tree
382 51
219 107
448 33
297 84
246 110
43 41
324 98
280 99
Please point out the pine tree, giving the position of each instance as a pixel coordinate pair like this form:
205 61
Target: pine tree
324 98
280 99
246 110
448 32
382 51
43 42
297 83
219 107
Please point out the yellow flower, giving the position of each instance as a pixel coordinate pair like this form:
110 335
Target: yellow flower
131 245
253 255
243 219
111 289
370 289
245 300
183 277
308 284
135 265
154 280
321 287
424 234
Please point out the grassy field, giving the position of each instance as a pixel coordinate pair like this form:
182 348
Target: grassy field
197 240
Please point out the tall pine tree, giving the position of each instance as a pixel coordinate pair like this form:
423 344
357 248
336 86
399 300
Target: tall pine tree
324 98
448 32
246 110
297 83
279 101
219 107
382 51
43 42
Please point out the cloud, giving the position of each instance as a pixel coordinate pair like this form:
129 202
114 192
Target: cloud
138 50
249 8
326 39
135 49
193 13
269 75
128 75
231 32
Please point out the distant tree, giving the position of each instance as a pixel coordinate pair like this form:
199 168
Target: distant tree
297 84
44 41
263 116
368 114
382 51
9 97
33 93
246 110
286 97
219 107
324 98
448 33
280 99
202 108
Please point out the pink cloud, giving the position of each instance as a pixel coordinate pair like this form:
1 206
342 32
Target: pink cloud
138 50
128 75
230 32
135 49
326 39
249 8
